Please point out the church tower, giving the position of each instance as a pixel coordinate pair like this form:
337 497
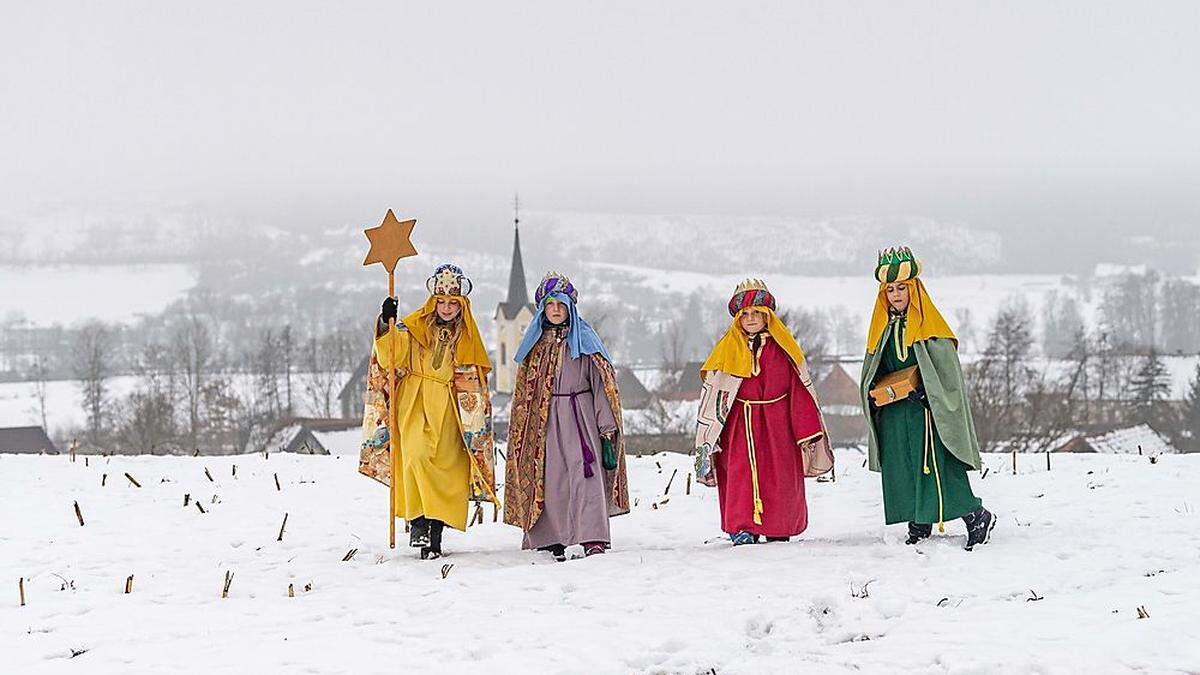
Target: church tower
513 314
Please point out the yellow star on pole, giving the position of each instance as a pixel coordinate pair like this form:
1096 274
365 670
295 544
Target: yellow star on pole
390 242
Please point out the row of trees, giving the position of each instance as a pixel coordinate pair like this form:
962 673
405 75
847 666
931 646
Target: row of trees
1139 312
193 390
1029 403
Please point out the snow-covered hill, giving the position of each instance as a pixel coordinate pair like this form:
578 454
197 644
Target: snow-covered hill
1078 550
794 245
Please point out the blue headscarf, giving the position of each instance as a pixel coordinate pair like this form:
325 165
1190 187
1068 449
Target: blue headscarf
581 337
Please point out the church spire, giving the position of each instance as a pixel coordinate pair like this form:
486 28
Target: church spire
518 292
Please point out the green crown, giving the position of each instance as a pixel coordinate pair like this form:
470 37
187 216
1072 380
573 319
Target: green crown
895 256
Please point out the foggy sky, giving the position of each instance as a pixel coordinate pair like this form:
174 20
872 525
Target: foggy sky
1051 120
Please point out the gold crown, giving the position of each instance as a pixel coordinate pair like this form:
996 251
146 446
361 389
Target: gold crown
751 285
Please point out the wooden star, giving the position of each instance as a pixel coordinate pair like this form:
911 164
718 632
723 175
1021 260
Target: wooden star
390 242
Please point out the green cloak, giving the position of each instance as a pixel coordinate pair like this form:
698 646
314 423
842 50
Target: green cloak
941 375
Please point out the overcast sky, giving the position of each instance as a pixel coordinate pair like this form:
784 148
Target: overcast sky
1079 115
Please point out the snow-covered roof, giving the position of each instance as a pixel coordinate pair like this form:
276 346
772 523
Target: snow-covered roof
343 442
1128 440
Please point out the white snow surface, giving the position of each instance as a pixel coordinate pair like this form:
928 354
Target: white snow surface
1077 551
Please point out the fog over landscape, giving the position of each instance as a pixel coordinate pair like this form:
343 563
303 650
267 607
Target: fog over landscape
1069 132
196 429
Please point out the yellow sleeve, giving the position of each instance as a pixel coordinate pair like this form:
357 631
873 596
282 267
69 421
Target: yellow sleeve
384 348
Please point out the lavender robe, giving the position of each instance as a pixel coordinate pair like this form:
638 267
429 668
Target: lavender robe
576 510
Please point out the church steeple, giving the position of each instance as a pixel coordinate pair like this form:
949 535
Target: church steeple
518 292
514 314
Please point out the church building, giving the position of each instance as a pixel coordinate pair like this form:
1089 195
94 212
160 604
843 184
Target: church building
512 317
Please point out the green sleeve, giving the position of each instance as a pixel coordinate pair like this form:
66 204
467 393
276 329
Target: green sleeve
942 377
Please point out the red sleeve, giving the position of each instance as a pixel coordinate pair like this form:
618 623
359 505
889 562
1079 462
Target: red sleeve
806 419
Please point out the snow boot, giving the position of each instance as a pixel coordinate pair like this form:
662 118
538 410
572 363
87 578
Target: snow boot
593 548
558 551
742 538
778 539
418 532
980 524
917 532
433 550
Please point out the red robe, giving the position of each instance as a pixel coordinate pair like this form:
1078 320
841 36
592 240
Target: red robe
778 428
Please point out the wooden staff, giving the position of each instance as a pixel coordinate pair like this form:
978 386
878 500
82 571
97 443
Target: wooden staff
391 241
391 398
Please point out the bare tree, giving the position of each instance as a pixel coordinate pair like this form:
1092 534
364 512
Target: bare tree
674 345
1130 313
1061 324
1180 316
93 366
266 366
999 378
194 360
1190 414
811 329
287 350
40 376
326 362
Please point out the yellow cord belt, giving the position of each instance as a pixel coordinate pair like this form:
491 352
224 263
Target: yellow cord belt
937 478
431 378
748 414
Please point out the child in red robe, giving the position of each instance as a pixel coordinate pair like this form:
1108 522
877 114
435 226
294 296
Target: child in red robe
760 427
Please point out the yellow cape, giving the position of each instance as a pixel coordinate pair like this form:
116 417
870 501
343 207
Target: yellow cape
732 353
470 349
923 320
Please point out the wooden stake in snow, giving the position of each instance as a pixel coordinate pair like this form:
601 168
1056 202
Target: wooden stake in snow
78 514
235 470
228 581
687 488
85 461
670 480
21 586
1014 454
132 480
200 506
277 488
187 499
281 526
1047 460
129 584
74 444
206 473
103 480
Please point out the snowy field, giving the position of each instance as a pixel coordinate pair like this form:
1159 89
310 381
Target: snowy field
1078 550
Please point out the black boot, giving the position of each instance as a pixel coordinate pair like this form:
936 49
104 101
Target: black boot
980 524
917 532
418 532
557 550
772 539
434 550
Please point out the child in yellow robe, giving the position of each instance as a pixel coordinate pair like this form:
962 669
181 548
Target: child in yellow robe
441 369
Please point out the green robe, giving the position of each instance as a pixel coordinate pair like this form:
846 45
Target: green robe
897 433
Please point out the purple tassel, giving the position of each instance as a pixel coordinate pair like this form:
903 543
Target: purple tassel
589 458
